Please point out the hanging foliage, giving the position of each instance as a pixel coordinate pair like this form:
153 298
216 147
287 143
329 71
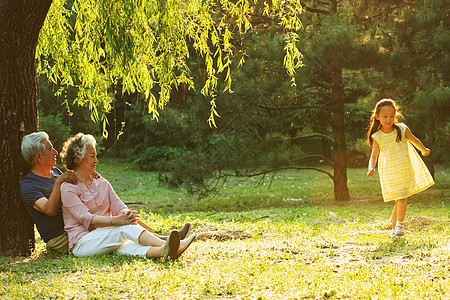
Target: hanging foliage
145 45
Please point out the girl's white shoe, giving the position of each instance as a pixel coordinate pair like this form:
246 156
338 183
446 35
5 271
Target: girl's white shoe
399 231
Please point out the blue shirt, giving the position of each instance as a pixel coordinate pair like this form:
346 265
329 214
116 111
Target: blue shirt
34 187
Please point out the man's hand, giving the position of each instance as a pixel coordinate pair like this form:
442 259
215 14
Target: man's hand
68 177
95 175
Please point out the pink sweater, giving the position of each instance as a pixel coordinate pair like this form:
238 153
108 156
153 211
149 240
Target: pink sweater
81 204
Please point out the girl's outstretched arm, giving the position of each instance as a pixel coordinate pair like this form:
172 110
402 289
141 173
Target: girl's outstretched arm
416 142
373 159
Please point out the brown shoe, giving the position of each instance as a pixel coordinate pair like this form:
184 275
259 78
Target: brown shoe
184 231
172 245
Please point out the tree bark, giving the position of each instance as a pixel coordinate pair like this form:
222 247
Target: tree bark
338 109
20 23
340 148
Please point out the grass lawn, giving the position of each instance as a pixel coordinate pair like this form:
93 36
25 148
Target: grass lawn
283 239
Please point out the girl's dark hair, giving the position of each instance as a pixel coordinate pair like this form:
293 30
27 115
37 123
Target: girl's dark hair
375 124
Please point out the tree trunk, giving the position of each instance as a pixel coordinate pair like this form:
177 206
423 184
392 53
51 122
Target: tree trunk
340 159
340 148
20 23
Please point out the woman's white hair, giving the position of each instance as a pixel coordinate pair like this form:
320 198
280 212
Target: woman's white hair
32 144
74 150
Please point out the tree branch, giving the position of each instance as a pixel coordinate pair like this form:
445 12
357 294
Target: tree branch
313 10
382 11
323 136
327 160
283 169
306 122
289 107
316 83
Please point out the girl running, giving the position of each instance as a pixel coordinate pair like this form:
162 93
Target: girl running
402 171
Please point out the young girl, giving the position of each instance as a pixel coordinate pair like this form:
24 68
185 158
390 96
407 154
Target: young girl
402 171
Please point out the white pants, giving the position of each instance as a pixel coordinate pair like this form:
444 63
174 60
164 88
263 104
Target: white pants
120 239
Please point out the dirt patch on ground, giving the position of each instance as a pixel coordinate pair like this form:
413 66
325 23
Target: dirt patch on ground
421 221
224 235
430 196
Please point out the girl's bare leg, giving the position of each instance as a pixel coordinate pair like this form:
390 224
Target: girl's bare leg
394 215
401 209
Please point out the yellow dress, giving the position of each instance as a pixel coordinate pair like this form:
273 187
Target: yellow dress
401 170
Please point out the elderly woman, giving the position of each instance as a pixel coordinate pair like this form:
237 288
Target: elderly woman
96 220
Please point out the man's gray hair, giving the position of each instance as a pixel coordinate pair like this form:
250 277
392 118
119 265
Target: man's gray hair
32 145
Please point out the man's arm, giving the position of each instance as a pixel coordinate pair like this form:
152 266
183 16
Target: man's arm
51 205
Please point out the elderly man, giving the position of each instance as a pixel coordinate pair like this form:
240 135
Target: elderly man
40 191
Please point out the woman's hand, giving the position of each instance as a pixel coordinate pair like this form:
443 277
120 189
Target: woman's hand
133 215
126 218
370 172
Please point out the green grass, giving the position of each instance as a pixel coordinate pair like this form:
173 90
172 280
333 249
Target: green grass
289 241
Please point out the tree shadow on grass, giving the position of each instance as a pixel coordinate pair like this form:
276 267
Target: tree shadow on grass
403 251
45 264
42 263
396 247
